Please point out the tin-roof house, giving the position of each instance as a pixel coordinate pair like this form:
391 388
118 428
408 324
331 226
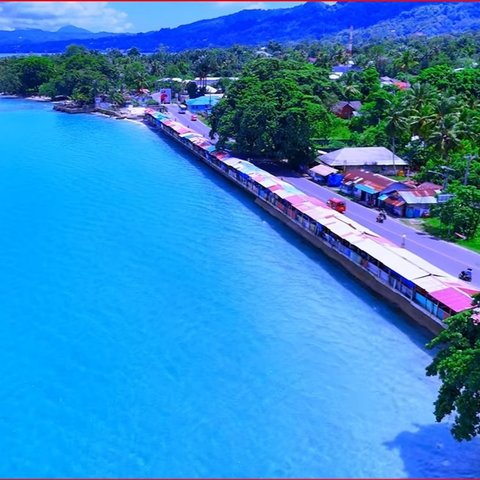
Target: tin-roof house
347 109
413 203
368 187
375 159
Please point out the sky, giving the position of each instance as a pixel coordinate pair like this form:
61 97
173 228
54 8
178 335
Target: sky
120 17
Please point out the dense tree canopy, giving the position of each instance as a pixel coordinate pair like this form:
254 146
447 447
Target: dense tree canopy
281 107
457 363
276 110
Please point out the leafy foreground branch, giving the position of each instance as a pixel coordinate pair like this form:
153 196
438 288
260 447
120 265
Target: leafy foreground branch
457 363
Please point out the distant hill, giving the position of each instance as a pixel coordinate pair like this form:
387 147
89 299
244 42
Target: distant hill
310 21
428 20
27 39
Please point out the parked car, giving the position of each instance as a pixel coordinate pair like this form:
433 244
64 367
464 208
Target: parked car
194 118
337 204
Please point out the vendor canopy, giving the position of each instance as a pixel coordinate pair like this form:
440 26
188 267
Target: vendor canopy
454 299
179 128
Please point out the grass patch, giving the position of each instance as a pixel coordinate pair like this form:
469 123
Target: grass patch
206 120
473 244
434 227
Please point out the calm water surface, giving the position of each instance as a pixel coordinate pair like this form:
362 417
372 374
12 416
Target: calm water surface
155 322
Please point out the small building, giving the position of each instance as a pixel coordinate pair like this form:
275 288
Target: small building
430 186
320 173
203 104
347 109
374 159
339 70
400 84
414 203
210 80
368 187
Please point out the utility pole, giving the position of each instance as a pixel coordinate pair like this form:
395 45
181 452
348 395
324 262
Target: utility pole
469 159
445 173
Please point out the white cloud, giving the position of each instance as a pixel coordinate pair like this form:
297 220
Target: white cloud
94 16
242 6
256 6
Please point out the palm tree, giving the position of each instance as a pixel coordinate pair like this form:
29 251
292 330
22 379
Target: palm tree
202 67
447 134
443 126
396 124
419 96
407 61
348 87
418 102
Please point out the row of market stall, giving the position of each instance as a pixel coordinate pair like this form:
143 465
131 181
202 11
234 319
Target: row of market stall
424 285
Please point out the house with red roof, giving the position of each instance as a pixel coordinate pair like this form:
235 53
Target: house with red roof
367 187
414 203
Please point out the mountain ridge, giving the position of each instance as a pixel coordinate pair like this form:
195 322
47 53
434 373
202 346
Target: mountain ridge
309 21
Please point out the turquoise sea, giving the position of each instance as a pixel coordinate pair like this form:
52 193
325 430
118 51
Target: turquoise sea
156 322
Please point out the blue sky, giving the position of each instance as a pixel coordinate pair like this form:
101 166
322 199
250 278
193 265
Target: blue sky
155 15
119 16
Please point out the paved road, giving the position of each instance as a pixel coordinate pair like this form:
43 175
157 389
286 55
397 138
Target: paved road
185 119
447 256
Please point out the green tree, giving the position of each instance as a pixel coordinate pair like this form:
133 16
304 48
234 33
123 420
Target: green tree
275 110
457 364
396 124
192 89
461 214
33 71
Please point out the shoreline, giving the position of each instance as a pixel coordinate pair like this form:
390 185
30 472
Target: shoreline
336 243
365 255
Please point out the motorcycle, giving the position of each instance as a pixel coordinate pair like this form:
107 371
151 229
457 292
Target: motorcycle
466 275
381 217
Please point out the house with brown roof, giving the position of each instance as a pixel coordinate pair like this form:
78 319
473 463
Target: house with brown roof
347 109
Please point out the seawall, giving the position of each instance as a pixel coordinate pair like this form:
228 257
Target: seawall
413 311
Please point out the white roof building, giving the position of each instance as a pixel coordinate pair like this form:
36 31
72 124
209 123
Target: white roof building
362 156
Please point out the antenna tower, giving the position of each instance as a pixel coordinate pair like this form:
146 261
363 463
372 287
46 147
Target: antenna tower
350 43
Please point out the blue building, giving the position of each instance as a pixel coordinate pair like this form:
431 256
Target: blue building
204 103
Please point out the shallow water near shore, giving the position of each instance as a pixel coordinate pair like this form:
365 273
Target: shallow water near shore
156 322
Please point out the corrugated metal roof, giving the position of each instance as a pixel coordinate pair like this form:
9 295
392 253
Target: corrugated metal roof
323 170
230 161
420 262
220 154
453 298
296 199
412 198
341 229
306 206
397 264
368 188
267 182
357 156
203 101
283 193
395 202
374 180
400 260
429 283
179 128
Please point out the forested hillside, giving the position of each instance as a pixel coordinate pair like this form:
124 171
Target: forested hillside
311 21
